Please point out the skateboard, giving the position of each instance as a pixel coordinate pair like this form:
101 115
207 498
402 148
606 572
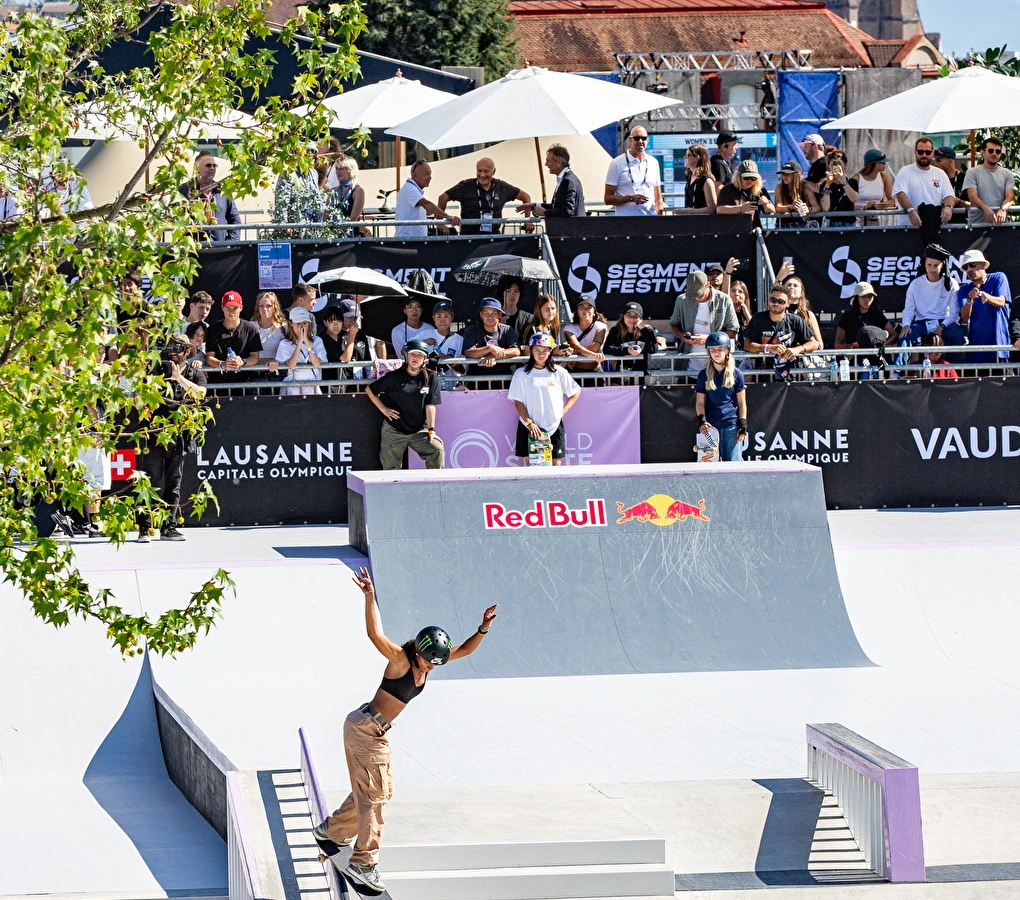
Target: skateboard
540 450
339 857
706 446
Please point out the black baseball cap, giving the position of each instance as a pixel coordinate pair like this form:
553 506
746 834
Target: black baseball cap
633 307
725 137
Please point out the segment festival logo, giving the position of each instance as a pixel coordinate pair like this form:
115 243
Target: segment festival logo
661 509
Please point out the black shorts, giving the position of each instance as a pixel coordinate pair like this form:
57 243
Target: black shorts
559 441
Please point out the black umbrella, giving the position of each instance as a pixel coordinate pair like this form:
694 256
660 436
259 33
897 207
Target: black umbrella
490 270
379 315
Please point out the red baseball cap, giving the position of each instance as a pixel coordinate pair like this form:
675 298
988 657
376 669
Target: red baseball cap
231 298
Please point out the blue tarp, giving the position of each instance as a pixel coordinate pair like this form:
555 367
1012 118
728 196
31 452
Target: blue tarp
806 101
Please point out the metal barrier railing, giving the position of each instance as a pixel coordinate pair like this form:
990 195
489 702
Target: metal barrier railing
667 367
242 871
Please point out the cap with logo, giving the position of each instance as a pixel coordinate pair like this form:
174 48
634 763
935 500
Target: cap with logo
231 298
814 138
945 153
490 303
716 267
748 167
726 137
874 156
299 314
441 305
349 307
542 339
586 298
862 288
633 306
791 168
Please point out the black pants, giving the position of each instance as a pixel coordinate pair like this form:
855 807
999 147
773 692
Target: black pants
931 223
165 468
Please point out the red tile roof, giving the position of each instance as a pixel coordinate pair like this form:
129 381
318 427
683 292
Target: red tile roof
579 41
573 7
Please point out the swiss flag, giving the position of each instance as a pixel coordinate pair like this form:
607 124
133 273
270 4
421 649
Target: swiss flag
122 465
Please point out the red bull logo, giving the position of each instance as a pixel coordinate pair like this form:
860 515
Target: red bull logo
661 509
546 514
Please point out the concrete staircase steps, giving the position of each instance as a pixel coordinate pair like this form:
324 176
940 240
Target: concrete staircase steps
535 883
516 854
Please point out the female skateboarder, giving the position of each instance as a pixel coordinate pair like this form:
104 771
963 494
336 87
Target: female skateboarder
365 743
719 398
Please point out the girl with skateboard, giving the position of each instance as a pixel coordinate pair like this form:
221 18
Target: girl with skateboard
720 399
538 390
359 819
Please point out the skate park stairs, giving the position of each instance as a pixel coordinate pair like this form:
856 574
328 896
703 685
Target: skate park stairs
516 870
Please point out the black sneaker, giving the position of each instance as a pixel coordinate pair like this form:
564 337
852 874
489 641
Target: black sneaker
144 535
92 530
365 875
169 533
63 522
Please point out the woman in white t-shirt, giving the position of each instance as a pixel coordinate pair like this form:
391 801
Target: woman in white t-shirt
412 328
543 393
586 336
302 352
272 328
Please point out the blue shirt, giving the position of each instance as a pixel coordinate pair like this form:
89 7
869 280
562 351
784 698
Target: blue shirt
720 402
988 324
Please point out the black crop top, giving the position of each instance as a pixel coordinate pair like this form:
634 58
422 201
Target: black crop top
403 688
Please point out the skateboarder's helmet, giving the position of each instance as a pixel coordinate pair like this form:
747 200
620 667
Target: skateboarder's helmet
719 339
433 645
420 346
542 339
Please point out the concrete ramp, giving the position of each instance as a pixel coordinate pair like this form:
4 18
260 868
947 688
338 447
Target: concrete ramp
609 570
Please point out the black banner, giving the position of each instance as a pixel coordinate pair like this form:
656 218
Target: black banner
284 460
235 268
895 443
651 269
832 261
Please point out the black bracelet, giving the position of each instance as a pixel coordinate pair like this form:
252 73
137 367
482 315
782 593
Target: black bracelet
742 425
481 630
702 421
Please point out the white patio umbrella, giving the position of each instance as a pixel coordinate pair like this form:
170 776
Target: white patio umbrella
381 105
965 100
532 102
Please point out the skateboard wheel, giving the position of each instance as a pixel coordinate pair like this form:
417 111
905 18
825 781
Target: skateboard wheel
323 857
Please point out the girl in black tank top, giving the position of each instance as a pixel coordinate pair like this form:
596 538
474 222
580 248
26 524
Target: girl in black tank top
359 818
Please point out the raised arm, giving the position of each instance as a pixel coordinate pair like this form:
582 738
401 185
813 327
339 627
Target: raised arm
471 644
372 625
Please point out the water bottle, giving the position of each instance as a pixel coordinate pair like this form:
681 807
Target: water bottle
230 353
844 369
926 367
872 371
866 374
833 369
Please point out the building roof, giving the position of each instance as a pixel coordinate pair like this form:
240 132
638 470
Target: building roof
579 39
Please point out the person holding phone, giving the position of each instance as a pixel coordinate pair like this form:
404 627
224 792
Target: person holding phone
700 311
632 338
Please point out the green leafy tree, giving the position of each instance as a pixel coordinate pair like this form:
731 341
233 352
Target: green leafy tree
62 393
441 32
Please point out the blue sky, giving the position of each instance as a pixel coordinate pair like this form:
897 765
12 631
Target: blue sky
991 24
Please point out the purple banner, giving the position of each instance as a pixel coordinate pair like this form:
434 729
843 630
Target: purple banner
479 427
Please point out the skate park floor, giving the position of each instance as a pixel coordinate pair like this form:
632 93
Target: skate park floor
712 762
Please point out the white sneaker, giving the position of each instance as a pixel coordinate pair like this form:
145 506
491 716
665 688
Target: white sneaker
320 835
365 875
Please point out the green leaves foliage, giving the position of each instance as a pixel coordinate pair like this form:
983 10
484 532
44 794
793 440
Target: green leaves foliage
79 361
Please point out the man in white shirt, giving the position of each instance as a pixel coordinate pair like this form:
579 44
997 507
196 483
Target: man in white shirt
925 192
412 205
699 311
633 185
989 187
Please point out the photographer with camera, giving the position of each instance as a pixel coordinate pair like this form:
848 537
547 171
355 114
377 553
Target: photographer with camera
700 311
165 464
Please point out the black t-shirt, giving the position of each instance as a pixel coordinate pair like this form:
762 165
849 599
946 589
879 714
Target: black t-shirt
519 321
616 345
476 336
790 331
335 349
818 170
474 202
721 171
852 321
243 340
409 395
731 195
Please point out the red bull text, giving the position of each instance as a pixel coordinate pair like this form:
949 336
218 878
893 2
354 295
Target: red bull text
546 514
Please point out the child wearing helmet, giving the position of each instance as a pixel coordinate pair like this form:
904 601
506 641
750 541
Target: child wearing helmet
720 398
538 390
359 819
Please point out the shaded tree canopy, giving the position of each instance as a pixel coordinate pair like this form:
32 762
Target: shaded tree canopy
63 393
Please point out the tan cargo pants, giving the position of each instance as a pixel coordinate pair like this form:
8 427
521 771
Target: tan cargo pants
368 761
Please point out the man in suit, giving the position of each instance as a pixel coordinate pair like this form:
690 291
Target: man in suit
568 197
